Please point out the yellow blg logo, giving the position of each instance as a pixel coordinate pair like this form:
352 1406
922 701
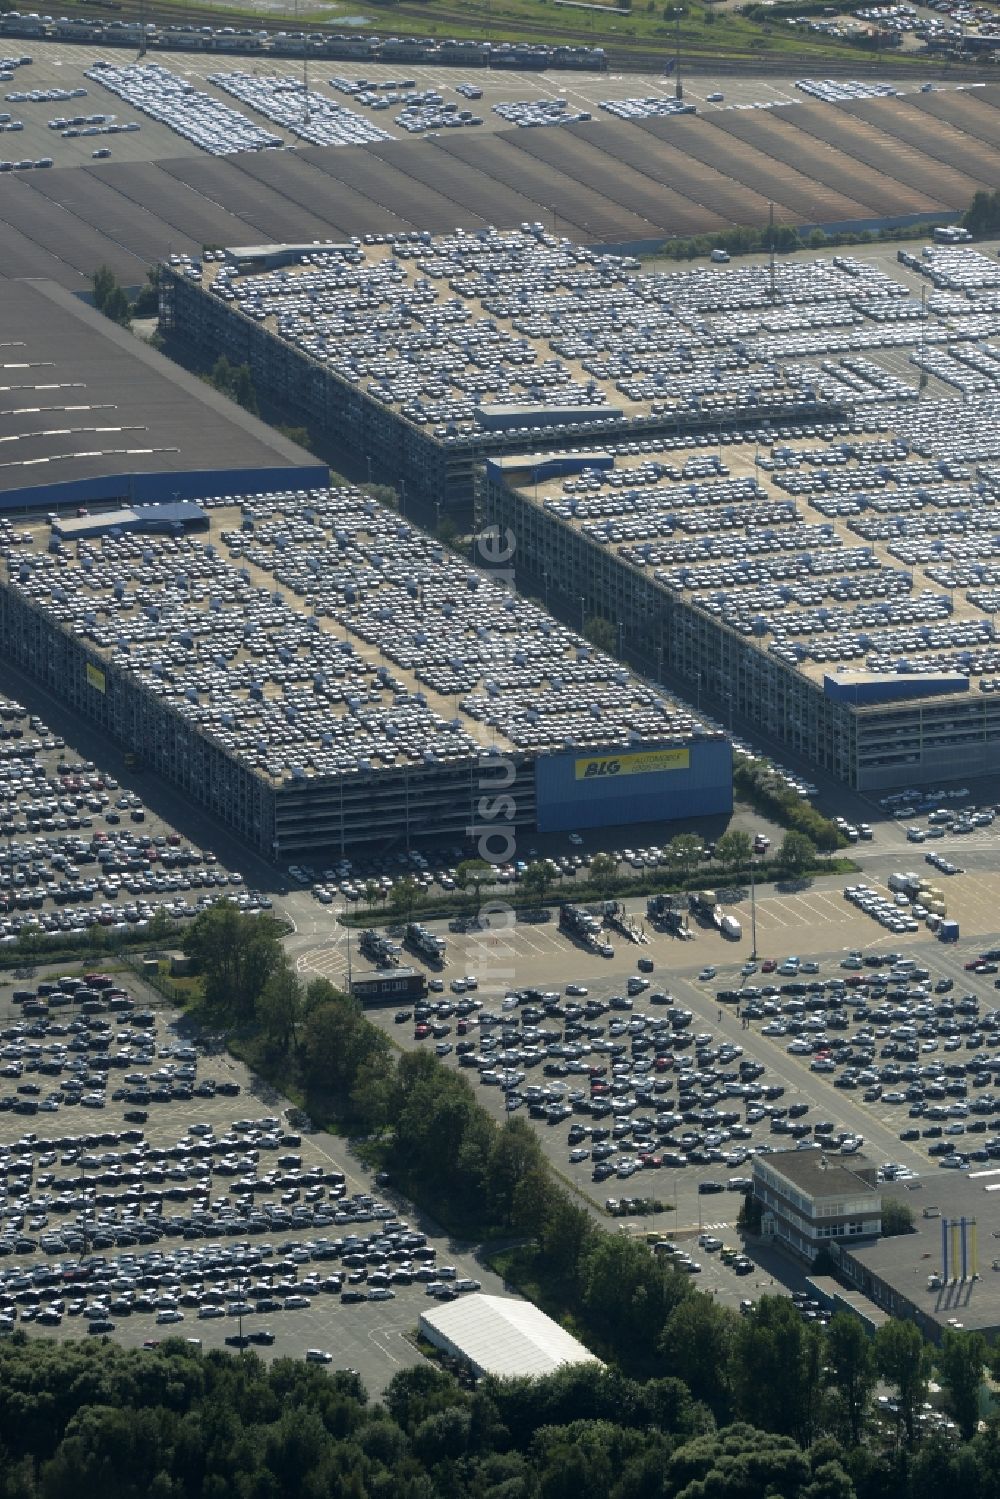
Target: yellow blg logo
602 768
642 762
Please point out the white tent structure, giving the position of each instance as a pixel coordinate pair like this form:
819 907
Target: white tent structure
501 1336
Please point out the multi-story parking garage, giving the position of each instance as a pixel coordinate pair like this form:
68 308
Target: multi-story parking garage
324 677
426 356
936 719
858 634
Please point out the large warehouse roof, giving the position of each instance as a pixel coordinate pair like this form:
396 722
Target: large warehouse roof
603 182
83 401
497 1335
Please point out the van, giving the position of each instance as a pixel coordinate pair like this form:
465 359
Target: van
721 257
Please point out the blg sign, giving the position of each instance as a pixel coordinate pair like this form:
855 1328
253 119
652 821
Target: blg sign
640 763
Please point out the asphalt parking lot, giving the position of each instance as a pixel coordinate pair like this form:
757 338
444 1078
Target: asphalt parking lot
82 850
927 1044
127 1219
64 65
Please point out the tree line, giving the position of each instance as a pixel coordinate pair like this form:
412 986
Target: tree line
685 867
172 1422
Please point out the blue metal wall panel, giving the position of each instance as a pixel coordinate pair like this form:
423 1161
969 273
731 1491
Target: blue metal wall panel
195 484
566 801
893 688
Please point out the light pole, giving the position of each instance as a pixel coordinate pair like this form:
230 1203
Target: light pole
753 911
368 460
678 86
545 585
621 640
583 605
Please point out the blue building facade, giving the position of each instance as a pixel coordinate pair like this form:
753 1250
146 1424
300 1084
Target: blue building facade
594 789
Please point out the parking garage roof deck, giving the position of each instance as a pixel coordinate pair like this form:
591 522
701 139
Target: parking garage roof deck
708 522
333 638
865 546
469 331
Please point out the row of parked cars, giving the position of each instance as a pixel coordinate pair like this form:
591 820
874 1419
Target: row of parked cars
228 1219
171 100
887 1030
636 1086
79 851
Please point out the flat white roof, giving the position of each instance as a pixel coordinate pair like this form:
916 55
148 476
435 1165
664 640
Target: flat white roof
501 1336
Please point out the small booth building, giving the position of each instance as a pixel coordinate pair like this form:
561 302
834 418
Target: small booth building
386 986
807 1198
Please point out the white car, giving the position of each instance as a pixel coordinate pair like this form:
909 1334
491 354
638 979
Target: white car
706 974
576 840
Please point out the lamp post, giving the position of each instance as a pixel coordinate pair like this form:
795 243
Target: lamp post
583 622
753 911
678 86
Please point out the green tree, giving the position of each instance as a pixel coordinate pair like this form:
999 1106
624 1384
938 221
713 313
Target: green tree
797 852
235 953
532 1204
601 633
473 875
373 894
897 1218
902 1359
850 1371
537 879
604 873
244 391
697 1343
403 896
629 1290
515 1154
982 217
118 308
279 1007
104 282
568 1234
740 1462
336 1041
829 1481
685 851
961 1361
372 1089
222 375
147 302
109 297
160 926
776 1368
733 849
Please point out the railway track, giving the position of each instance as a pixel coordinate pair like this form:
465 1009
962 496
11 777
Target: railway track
643 59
